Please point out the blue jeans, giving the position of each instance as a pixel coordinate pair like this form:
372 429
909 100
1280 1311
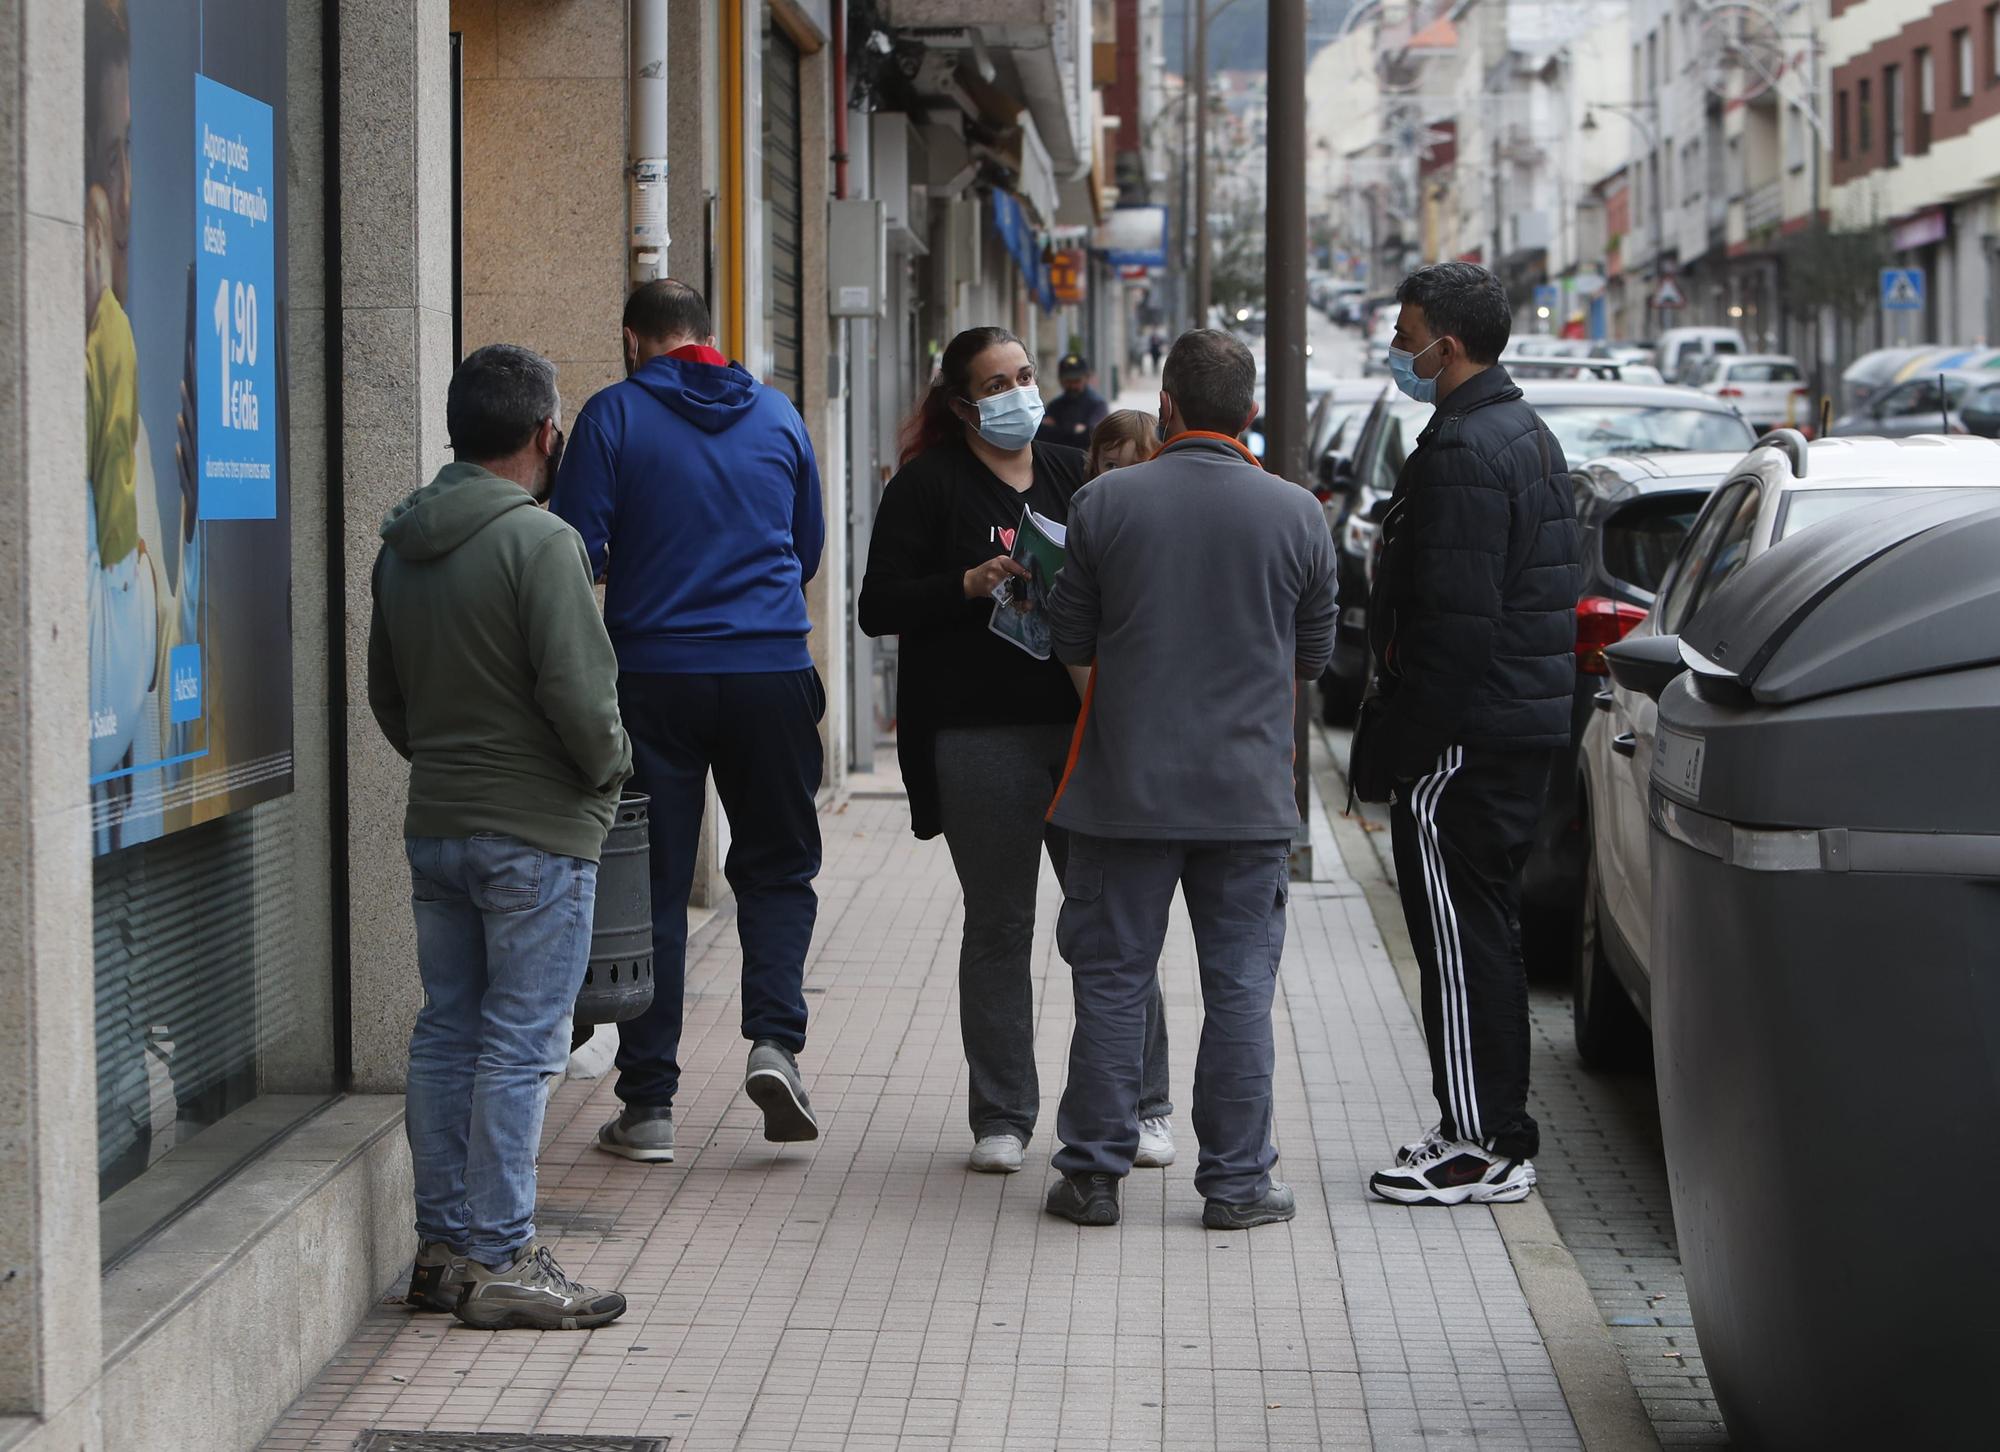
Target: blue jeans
1116 897
503 937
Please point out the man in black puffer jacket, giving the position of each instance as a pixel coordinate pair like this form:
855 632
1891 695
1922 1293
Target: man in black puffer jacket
1472 624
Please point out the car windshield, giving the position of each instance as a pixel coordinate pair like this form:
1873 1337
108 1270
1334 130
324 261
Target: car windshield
1804 508
1586 430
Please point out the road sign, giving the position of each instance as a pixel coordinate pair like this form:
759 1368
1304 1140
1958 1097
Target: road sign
1548 295
1902 289
1669 296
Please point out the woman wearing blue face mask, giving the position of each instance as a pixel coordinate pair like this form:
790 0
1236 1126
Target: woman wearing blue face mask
983 728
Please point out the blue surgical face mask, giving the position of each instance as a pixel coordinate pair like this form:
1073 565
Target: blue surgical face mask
1403 368
1009 420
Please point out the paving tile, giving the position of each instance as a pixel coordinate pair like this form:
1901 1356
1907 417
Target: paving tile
866 1292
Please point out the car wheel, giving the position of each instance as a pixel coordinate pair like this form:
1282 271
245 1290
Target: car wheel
1339 699
1609 1032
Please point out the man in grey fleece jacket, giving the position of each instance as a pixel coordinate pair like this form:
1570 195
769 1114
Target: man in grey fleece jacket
1201 590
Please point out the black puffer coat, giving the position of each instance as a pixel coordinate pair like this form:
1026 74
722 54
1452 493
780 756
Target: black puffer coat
1472 619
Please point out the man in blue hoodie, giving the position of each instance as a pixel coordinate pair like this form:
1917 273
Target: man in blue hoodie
697 496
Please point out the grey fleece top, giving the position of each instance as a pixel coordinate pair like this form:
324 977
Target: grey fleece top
1202 588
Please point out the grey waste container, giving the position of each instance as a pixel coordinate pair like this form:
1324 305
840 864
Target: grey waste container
1826 981
618 984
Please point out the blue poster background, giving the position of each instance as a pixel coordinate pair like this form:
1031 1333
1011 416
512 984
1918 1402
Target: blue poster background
235 242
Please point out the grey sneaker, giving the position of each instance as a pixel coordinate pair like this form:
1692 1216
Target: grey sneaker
997 1154
437 1278
1156 1144
774 1086
642 1132
1276 1205
533 1294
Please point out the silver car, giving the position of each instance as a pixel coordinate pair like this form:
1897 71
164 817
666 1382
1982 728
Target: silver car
1777 490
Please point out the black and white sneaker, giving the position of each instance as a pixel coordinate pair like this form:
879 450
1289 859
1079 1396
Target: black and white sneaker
1455 1172
1417 1147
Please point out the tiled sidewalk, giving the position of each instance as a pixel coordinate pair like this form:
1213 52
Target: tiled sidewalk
867 1292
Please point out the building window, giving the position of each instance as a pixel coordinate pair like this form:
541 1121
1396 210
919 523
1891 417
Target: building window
1926 101
1864 138
1795 138
1840 133
1993 45
1892 115
1961 50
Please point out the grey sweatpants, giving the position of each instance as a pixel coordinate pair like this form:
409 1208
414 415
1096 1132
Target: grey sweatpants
1116 896
994 788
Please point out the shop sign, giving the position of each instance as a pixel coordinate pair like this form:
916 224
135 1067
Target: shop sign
1069 274
1923 230
187 490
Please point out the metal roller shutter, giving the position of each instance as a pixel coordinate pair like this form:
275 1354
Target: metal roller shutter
784 212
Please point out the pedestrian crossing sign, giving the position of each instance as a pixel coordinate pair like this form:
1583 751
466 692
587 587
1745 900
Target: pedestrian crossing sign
1669 295
1902 289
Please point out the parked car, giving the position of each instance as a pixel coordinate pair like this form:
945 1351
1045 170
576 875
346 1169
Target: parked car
1682 350
1927 404
1768 389
1617 352
1381 333
1318 383
1633 511
1590 419
1782 487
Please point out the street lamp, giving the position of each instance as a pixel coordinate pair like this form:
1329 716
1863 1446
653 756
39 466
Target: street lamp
1635 113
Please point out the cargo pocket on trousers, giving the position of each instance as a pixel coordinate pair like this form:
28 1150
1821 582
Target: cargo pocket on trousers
1079 927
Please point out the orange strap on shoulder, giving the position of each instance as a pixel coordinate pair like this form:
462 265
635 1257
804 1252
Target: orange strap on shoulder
1234 443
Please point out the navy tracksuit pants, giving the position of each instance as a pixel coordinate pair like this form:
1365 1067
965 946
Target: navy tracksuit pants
759 734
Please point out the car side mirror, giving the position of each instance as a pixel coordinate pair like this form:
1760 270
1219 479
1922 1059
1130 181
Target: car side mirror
1647 664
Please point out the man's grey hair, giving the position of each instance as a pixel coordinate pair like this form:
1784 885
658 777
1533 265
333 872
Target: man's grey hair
498 397
1212 380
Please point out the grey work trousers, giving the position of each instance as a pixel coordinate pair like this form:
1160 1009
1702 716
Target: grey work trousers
994 788
1116 897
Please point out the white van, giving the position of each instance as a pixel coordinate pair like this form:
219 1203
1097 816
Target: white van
1682 351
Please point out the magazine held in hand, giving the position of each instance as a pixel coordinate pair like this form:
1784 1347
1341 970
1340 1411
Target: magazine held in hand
1021 611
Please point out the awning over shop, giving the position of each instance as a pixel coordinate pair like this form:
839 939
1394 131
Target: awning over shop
1017 235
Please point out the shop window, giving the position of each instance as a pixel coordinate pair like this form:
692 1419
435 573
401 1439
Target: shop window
211 895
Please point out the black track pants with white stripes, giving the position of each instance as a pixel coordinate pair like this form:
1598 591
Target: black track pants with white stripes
1462 834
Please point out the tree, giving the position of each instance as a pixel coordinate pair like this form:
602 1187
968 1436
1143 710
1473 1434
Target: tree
1837 273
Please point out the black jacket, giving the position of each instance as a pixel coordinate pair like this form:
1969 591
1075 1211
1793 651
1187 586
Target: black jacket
1472 618
1071 418
941 515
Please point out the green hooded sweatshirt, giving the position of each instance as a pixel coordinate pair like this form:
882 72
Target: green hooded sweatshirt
490 671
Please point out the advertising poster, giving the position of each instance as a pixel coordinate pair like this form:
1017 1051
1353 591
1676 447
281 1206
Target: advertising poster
188 500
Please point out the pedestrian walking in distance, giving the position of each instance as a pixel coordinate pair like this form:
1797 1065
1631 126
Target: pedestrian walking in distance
1472 626
1200 589
697 496
982 727
1076 411
490 672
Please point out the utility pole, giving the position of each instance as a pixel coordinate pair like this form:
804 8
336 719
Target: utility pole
1285 313
1203 262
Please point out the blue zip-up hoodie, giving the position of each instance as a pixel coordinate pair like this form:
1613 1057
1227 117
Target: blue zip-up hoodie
700 486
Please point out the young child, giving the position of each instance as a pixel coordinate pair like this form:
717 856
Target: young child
1125 437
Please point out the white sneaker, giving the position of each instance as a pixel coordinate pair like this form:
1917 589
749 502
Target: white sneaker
997 1154
1455 1172
1417 1148
1156 1144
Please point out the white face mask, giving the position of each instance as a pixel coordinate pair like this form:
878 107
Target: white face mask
1009 420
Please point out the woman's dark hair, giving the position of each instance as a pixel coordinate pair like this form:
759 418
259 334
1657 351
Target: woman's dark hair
933 422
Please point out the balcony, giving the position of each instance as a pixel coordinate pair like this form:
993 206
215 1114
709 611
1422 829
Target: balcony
1037 50
1764 207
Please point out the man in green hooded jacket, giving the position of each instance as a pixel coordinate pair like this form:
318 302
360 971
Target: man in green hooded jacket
490 671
